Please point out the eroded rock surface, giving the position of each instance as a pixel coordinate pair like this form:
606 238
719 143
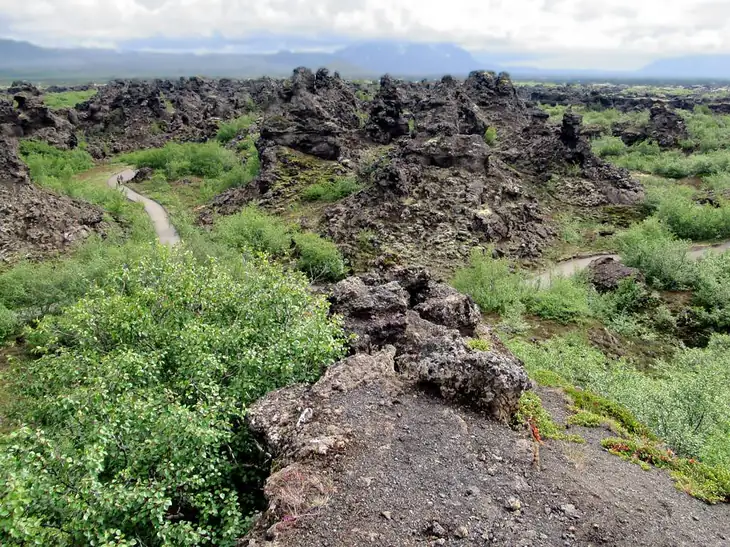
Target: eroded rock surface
606 273
444 166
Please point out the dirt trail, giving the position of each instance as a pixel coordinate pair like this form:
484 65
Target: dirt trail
566 268
161 221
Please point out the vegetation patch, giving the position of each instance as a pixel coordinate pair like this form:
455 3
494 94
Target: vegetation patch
257 231
67 99
479 344
228 131
218 168
167 353
709 483
532 413
333 191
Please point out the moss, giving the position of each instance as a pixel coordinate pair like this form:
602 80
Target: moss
584 418
490 136
588 401
331 191
479 344
532 412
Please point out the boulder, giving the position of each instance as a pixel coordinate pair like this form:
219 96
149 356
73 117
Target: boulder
606 273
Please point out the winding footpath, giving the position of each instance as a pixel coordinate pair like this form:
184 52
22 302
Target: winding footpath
160 219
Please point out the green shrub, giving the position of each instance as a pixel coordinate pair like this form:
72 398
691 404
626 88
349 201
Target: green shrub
688 219
331 191
565 300
318 258
711 290
490 136
491 282
255 230
67 99
207 160
232 129
46 162
652 248
8 323
605 147
496 286
134 411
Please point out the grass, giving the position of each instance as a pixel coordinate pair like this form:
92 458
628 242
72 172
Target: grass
685 401
214 170
703 472
256 231
67 99
497 286
234 128
333 191
71 173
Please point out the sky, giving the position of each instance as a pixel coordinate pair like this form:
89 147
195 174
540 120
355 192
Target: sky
607 34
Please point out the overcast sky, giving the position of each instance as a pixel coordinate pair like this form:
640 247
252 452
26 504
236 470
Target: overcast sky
578 33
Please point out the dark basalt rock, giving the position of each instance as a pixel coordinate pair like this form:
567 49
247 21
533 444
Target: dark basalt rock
606 273
425 321
386 121
667 128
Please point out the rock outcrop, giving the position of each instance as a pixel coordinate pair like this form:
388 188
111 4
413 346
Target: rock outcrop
34 221
606 273
466 173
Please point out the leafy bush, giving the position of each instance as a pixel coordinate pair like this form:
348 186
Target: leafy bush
134 410
230 130
8 323
654 250
490 136
491 282
565 300
608 146
711 290
207 160
331 191
46 161
318 258
255 230
67 99
688 219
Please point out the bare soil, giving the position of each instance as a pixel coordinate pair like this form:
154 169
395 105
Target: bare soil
419 472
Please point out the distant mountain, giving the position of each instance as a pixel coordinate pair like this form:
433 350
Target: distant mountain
20 60
694 66
409 59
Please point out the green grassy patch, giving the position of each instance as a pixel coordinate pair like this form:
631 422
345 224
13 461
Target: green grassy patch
67 99
332 191
254 230
234 128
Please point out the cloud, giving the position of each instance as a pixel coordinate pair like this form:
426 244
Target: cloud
585 29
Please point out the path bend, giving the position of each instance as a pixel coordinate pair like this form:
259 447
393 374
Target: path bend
164 229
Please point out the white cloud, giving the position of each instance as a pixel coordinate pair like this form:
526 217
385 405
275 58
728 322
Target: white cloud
607 31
